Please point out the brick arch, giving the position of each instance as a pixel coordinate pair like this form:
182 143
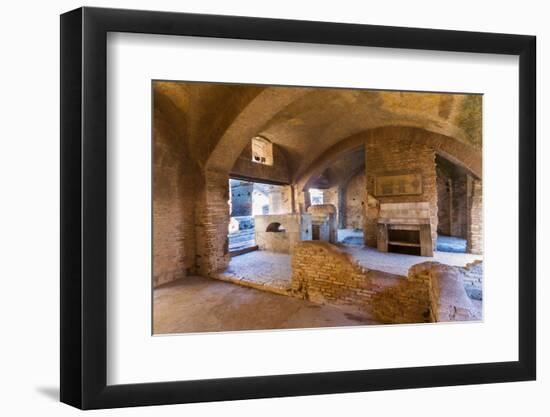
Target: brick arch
250 121
456 151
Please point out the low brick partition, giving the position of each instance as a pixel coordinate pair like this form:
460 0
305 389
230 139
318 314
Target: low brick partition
450 301
323 273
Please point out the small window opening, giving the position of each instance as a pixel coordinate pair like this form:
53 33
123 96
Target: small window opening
262 151
316 196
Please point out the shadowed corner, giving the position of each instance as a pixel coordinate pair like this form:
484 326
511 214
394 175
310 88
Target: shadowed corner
49 392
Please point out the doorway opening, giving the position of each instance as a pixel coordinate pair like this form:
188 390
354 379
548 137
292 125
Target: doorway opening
246 200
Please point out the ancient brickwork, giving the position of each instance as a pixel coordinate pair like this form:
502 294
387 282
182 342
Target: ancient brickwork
331 196
431 292
449 300
173 211
324 274
475 221
460 207
278 171
355 196
323 216
400 155
211 223
452 195
444 196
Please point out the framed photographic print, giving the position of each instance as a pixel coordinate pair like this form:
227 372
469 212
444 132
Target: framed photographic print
258 208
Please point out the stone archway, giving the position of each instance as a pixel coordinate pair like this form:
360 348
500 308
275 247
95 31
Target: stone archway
431 143
453 149
249 123
212 213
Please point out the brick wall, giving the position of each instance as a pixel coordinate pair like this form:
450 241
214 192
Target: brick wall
452 196
475 220
324 217
449 300
323 273
460 207
245 167
173 206
211 223
444 195
331 196
355 202
399 155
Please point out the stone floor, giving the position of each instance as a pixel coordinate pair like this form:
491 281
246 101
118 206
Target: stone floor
268 271
196 304
451 244
241 240
399 264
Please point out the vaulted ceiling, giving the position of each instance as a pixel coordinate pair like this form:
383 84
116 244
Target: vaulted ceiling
216 121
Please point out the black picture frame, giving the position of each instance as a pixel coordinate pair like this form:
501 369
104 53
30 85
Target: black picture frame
84 207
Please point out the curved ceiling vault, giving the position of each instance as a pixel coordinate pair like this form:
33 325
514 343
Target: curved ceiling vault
220 119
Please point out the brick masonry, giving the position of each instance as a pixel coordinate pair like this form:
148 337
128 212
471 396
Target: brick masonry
173 210
452 195
444 194
324 274
355 202
324 217
279 171
448 297
475 221
211 223
431 292
459 225
399 155
331 196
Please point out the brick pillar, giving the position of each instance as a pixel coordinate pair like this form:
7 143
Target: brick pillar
397 154
211 223
331 196
475 216
342 206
